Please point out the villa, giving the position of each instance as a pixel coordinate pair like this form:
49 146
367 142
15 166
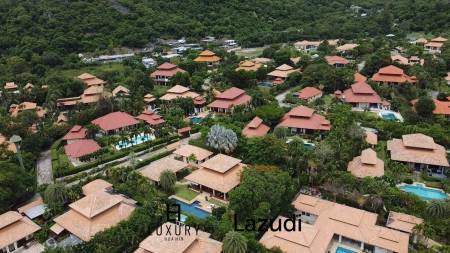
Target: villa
120 91
96 186
11 87
90 95
227 100
249 66
413 60
178 91
346 47
164 72
151 118
34 208
97 211
208 57
419 152
192 154
153 170
307 46
115 122
304 120
79 148
91 80
16 232
280 74
421 41
392 75
25 106
309 94
435 45
28 87
404 223
336 61
366 165
256 128
199 104
217 176
328 226
361 96
77 132
193 242
441 107
149 98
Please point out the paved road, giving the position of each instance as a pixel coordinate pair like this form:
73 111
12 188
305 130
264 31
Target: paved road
44 168
280 98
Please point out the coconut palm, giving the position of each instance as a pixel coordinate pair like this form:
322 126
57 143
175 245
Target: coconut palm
438 208
55 195
221 139
234 242
167 179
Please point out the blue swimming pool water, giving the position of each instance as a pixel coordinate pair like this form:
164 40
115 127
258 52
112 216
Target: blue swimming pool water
344 250
193 209
196 120
389 116
423 192
138 139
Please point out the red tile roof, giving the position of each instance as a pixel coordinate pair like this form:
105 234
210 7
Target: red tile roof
151 118
304 117
167 69
77 132
309 92
255 128
199 100
359 78
392 74
442 107
361 93
115 120
229 98
332 60
81 148
231 93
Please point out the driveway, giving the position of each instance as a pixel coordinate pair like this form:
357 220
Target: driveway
44 169
280 98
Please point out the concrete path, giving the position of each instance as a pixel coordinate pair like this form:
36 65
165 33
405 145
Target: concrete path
44 169
280 98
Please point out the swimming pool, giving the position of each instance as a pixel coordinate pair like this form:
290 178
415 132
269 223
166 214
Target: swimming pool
424 192
389 116
137 139
344 250
196 120
192 209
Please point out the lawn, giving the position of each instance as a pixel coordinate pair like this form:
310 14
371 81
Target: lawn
184 192
95 70
250 52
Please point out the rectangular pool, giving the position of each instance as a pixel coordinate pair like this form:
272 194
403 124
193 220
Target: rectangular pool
192 209
424 192
344 250
389 116
136 140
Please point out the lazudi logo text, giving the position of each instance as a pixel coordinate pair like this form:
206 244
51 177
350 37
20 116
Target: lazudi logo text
263 225
174 230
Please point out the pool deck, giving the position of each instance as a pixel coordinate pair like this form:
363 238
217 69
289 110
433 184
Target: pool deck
418 184
201 198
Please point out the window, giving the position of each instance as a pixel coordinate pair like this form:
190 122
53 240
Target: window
12 247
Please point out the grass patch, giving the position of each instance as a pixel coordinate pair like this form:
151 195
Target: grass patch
95 70
184 192
216 202
250 52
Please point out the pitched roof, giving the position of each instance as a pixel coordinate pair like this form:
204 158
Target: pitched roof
439 39
308 92
120 89
178 91
332 60
221 163
188 150
75 133
361 93
207 56
371 138
192 242
231 93
394 74
14 226
167 69
359 78
417 148
282 71
255 128
346 47
10 86
150 118
366 165
153 170
115 120
9 145
94 213
95 186
90 80
79 148
402 222
305 118
230 97
248 66
441 107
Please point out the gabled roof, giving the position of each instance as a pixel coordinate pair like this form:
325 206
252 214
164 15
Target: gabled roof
221 163
308 92
150 118
366 165
153 170
115 120
256 128
303 117
120 89
79 148
76 132
14 227
359 78
332 60
188 150
95 186
402 222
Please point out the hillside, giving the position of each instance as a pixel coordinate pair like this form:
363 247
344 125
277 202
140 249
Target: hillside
64 26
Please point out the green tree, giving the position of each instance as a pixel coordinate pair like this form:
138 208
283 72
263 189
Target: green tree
16 185
168 180
270 113
221 139
425 106
55 196
438 209
234 242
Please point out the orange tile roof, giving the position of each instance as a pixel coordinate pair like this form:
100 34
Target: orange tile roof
304 118
95 213
248 66
187 242
115 120
35 202
282 71
332 60
309 92
439 39
154 169
334 219
10 86
346 47
441 107
82 147
359 78
188 150
392 74
371 138
207 56
149 98
256 128
178 91
120 90
91 80
402 222
366 165
417 148
96 186
14 227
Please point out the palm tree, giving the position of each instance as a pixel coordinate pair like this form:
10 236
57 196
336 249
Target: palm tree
167 179
55 195
234 242
438 208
